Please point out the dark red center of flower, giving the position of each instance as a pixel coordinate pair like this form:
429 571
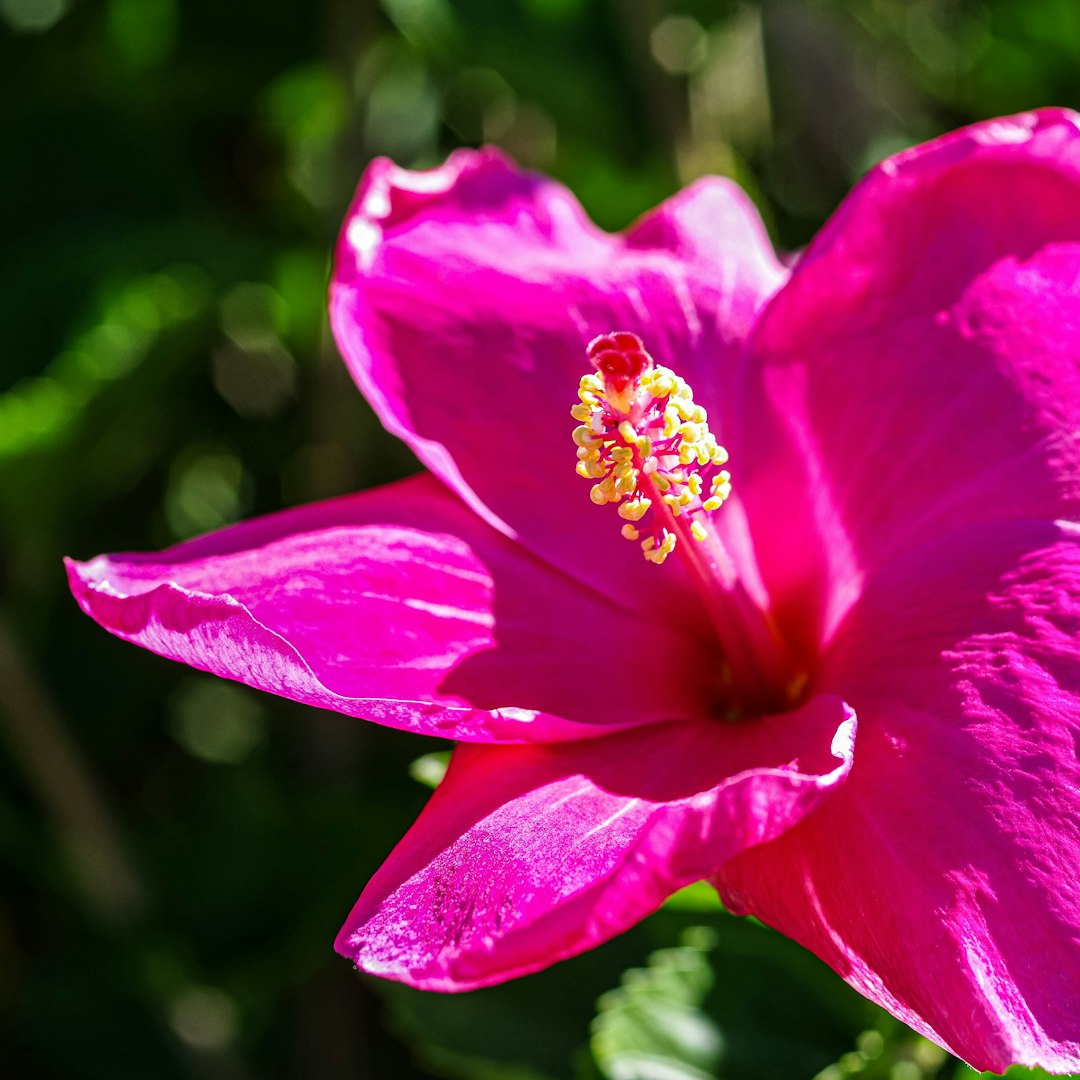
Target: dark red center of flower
620 359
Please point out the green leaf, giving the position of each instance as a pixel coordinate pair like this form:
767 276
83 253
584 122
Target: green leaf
653 1026
892 1051
699 897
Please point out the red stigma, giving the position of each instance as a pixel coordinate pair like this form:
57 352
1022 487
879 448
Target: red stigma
620 358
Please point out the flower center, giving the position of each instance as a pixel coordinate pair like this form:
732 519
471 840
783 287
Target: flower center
647 445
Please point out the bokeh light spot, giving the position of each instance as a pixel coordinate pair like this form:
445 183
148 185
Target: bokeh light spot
216 721
32 16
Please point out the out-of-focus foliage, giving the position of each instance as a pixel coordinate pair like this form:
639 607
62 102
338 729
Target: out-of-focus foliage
176 853
654 1022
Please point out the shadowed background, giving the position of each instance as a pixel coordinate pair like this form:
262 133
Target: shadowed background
176 852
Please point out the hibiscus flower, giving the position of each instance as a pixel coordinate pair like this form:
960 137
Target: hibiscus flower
848 696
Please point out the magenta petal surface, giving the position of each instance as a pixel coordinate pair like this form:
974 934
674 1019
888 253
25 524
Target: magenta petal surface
463 300
919 370
402 607
526 855
941 881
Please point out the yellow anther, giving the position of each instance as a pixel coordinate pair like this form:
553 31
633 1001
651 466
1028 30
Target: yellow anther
662 385
581 412
627 431
720 489
604 492
626 485
644 445
657 553
629 531
584 437
698 531
709 505
634 509
693 482
661 481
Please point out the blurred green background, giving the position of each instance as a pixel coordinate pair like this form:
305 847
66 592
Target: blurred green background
176 852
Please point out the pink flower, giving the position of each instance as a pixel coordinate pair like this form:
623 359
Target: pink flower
898 553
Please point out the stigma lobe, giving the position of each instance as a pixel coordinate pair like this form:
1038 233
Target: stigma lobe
620 359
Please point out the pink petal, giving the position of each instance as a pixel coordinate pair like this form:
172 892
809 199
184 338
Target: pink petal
941 881
463 300
919 370
527 855
402 607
